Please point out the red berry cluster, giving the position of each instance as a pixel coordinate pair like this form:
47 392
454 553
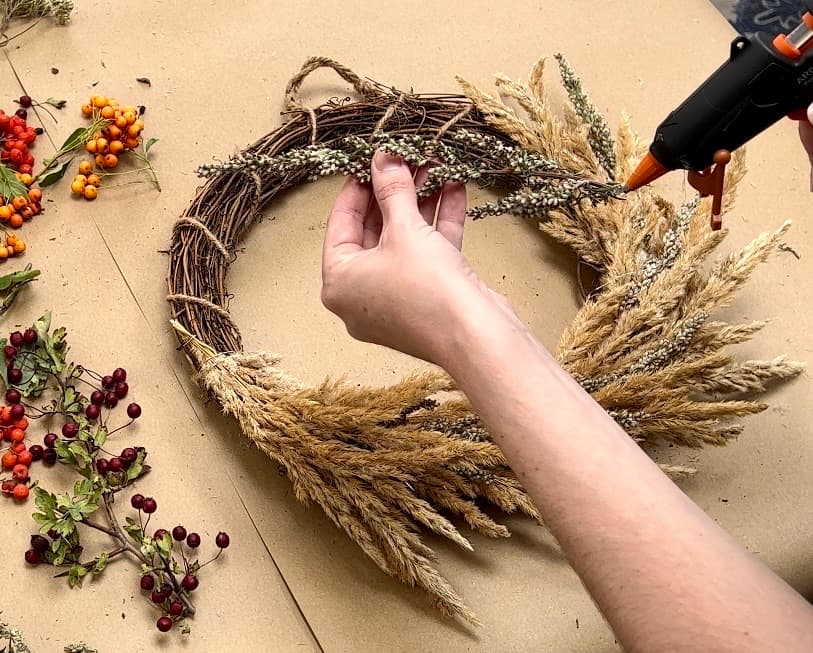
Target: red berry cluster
16 139
165 588
17 458
114 388
18 136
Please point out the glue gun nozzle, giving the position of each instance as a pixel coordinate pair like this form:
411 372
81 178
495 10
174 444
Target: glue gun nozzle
647 171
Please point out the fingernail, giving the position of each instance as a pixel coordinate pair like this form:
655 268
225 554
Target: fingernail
384 161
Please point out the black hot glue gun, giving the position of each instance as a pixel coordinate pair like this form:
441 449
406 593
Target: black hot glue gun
764 80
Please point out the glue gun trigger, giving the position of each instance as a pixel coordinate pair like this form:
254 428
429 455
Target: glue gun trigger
711 181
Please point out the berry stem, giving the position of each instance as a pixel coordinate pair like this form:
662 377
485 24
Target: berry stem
91 563
99 527
211 560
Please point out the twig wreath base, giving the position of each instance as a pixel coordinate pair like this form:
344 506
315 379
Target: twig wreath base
387 463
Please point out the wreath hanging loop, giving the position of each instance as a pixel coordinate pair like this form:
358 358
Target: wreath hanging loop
364 88
385 464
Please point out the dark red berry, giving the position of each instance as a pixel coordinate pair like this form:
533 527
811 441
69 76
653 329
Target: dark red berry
25 101
36 452
160 533
15 375
92 412
16 339
70 430
222 540
17 412
149 506
32 557
39 543
136 501
108 382
110 400
21 113
49 457
193 540
97 398
128 455
10 351
116 464
157 596
39 131
53 534
176 608
13 396
50 440
164 624
179 533
29 336
147 582
133 411
102 465
189 583
121 390
119 375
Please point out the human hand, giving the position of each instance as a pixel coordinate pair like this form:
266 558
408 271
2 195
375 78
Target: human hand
393 272
806 134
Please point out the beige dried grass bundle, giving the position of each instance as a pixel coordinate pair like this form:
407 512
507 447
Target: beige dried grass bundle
387 463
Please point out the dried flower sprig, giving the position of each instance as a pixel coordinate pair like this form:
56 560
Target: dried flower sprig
24 9
386 463
540 184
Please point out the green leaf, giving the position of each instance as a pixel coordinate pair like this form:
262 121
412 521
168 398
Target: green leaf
45 501
21 276
77 138
82 487
64 502
63 451
55 175
148 547
100 438
149 144
65 527
99 564
79 452
133 529
137 467
60 552
76 575
45 523
16 282
57 104
164 545
10 186
56 348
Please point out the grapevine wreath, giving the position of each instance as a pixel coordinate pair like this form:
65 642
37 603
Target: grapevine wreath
386 463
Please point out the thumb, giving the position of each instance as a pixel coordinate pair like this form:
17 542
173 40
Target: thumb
394 189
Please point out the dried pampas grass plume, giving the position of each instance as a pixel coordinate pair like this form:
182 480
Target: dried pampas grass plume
386 464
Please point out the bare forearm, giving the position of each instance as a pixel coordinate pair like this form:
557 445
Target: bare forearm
662 572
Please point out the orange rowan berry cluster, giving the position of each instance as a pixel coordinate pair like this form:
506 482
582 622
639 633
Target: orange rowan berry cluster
15 211
17 458
121 133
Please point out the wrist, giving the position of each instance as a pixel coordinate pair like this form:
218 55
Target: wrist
482 333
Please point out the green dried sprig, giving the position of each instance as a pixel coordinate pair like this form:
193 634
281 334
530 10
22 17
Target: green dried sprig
537 184
599 134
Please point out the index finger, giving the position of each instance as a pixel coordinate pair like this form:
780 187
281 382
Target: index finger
345 224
